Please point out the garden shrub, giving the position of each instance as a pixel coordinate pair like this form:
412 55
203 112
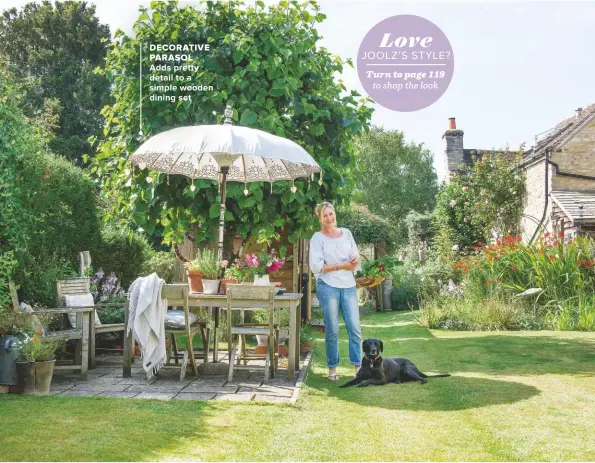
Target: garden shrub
39 276
419 228
414 280
367 228
161 262
492 314
48 205
486 200
495 275
122 252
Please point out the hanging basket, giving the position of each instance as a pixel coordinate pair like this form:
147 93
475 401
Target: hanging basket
363 282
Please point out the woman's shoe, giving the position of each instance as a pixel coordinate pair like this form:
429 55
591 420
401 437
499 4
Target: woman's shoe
333 377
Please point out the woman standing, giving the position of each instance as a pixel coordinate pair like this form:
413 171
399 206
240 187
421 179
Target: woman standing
333 259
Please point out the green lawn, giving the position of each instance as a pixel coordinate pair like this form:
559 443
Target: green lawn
512 396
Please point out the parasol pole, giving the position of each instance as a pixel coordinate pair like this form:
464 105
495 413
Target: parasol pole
224 171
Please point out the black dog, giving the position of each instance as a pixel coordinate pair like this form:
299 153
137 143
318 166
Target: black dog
377 371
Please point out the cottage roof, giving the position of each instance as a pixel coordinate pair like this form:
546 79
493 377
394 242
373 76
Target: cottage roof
579 206
471 155
554 137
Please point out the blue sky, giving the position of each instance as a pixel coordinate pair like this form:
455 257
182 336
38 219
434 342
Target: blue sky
520 67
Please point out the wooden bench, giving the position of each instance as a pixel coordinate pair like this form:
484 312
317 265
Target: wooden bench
80 286
80 334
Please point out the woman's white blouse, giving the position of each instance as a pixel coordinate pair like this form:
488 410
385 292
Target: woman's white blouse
327 250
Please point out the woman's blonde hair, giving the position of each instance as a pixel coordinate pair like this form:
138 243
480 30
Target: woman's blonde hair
321 207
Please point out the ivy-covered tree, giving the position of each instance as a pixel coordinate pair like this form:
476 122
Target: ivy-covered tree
395 177
266 64
53 51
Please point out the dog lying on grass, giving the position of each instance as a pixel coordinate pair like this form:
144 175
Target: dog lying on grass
377 371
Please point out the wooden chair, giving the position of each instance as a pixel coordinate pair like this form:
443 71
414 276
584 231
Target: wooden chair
80 334
237 349
176 294
81 286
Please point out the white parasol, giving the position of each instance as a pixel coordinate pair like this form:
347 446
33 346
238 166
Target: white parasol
235 153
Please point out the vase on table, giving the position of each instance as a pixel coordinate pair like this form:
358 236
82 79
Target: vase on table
262 280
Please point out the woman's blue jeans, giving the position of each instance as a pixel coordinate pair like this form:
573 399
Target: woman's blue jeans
332 299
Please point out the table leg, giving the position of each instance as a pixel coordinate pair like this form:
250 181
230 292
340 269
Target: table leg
92 339
128 347
293 333
215 333
298 325
85 345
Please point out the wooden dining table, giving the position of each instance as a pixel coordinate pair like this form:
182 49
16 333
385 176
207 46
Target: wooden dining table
216 302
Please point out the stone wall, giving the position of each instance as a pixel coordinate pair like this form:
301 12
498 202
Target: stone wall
535 201
577 157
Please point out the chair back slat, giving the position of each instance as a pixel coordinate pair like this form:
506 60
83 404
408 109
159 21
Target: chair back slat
13 294
72 286
251 292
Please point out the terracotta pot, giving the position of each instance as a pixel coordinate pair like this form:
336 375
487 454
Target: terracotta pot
195 282
224 284
36 377
305 346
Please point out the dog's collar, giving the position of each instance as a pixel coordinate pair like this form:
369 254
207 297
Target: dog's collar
372 360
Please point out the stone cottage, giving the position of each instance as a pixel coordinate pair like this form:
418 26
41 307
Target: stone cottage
560 170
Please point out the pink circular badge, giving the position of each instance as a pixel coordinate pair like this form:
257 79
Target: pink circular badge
405 63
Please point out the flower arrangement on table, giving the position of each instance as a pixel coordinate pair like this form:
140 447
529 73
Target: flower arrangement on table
263 263
375 271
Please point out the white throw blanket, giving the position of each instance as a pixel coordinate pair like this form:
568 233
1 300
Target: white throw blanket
147 321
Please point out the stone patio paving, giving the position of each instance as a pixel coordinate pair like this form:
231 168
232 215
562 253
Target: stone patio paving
106 381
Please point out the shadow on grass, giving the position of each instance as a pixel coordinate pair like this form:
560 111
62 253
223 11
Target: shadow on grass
439 394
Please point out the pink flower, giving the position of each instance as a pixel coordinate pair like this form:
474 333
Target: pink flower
251 260
453 203
275 265
224 263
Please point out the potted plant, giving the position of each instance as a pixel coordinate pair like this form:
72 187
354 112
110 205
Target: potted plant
204 272
375 271
233 275
204 268
305 340
36 365
261 264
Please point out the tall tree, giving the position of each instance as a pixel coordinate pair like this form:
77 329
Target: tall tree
394 177
267 65
54 50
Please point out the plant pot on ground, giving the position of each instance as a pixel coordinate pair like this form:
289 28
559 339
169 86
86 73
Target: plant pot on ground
305 340
36 365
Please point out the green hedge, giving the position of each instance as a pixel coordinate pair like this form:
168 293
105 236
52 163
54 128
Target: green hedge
122 252
48 205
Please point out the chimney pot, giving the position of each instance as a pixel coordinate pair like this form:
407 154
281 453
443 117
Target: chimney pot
452 123
578 111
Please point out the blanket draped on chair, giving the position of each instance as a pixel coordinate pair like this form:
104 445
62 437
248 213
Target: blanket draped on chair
147 321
